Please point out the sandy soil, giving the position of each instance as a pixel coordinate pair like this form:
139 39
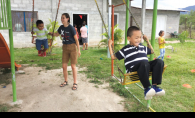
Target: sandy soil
38 91
169 42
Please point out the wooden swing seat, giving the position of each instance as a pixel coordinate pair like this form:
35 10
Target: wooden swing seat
131 78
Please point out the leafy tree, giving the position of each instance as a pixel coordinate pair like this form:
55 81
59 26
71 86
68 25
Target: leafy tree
190 19
182 37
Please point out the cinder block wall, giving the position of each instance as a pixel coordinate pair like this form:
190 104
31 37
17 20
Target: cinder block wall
47 10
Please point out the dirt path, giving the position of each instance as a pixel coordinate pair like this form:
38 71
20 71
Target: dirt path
169 42
39 91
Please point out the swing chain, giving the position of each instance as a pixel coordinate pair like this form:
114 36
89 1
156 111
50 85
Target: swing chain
54 26
33 9
119 70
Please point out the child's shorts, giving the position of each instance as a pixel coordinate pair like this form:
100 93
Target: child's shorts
85 40
69 53
41 42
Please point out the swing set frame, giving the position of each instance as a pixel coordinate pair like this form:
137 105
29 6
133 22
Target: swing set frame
132 78
6 24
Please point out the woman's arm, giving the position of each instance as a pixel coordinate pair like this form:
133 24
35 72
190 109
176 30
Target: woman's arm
54 34
77 43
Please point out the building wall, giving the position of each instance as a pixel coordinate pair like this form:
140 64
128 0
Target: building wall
47 10
172 23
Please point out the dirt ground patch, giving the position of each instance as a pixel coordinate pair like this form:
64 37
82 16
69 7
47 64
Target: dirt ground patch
38 90
169 42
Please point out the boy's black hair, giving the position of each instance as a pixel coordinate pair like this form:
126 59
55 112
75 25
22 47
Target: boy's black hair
39 22
131 29
160 32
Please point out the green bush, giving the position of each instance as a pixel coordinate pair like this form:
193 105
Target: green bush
183 36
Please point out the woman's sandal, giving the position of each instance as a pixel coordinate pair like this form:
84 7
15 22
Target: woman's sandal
64 84
74 88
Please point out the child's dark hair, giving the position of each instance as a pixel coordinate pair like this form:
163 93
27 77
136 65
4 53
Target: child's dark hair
161 32
84 24
39 22
67 16
131 29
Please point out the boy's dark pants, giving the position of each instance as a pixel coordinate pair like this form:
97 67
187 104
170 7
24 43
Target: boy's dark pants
143 69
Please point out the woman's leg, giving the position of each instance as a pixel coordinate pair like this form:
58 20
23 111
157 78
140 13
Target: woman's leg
65 72
74 70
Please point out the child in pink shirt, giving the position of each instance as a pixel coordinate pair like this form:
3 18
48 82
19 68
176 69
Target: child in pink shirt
83 31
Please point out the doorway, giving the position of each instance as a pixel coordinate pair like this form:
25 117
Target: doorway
161 24
78 20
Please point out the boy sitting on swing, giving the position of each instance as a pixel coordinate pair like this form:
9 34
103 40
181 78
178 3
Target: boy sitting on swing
135 58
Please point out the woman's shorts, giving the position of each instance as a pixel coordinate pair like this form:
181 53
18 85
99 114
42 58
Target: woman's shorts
43 42
69 53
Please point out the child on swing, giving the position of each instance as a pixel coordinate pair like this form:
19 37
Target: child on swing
70 46
135 58
41 37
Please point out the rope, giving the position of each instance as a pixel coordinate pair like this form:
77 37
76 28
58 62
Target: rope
102 18
55 24
119 70
33 9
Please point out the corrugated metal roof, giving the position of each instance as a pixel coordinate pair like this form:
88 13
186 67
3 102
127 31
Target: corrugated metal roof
164 9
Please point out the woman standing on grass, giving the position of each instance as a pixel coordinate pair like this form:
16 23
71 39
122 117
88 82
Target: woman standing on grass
70 46
161 42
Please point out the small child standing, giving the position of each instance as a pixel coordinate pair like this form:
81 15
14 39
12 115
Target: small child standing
41 37
161 42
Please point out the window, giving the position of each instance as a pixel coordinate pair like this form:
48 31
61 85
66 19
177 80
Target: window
116 18
22 20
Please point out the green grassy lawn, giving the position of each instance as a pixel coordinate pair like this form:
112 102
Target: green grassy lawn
177 99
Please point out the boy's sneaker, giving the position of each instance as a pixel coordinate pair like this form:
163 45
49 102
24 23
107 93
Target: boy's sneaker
149 93
158 91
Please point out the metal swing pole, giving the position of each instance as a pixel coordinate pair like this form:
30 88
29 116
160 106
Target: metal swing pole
155 10
127 26
153 35
112 61
11 49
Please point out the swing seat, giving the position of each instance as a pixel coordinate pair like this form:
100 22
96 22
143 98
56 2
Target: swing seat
131 78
